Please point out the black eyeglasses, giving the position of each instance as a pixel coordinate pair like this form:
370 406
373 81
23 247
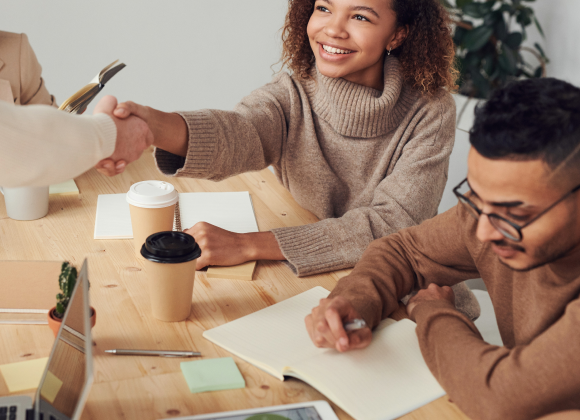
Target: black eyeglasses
507 228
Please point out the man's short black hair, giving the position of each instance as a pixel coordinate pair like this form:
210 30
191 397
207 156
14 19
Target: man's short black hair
530 119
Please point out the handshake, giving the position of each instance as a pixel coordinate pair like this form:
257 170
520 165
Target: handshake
133 134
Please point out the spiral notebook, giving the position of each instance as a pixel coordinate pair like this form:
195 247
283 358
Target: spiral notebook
384 381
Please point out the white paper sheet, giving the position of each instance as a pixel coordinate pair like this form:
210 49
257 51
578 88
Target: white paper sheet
232 211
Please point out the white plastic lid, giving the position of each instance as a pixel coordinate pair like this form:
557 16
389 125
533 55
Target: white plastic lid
152 194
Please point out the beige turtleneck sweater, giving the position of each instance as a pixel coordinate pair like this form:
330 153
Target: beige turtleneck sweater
366 162
535 373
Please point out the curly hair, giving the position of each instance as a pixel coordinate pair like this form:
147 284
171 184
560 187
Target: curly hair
427 55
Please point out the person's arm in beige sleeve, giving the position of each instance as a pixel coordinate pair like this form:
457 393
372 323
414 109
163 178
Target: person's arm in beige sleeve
390 268
32 87
215 144
42 145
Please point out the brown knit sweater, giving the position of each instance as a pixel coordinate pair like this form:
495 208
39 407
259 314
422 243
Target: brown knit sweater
365 162
538 313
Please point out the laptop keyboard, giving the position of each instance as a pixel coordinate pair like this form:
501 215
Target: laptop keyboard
8 413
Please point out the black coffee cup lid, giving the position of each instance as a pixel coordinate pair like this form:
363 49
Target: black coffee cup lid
170 248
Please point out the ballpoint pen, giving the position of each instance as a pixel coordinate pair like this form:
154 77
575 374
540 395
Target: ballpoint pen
162 353
355 324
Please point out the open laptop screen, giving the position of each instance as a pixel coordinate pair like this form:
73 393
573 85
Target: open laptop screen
65 384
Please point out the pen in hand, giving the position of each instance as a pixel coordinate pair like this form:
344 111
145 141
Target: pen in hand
355 324
161 353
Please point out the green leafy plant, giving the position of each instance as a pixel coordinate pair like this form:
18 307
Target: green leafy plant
66 280
489 47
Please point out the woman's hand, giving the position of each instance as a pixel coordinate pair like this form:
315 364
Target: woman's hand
219 246
169 130
126 109
224 248
325 326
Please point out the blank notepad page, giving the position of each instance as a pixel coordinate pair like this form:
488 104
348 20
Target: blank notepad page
231 211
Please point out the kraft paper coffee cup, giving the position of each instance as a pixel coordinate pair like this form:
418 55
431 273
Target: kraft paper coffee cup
170 262
26 203
152 207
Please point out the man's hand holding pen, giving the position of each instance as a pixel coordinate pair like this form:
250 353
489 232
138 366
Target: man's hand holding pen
326 326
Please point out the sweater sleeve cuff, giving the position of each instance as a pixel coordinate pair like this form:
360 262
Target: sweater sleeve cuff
107 132
201 151
308 250
427 313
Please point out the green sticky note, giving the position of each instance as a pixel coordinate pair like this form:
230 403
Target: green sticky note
212 375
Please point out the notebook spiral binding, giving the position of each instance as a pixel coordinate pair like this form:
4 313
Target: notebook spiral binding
177 217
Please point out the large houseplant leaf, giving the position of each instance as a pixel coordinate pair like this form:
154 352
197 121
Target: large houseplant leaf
477 37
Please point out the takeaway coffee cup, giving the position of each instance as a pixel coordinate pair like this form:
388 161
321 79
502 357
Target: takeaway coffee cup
26 203
170 261
152 207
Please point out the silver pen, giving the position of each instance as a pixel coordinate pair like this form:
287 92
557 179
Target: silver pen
162 353
355 324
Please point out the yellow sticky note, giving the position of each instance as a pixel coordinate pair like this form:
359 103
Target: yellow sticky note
22 376
50 387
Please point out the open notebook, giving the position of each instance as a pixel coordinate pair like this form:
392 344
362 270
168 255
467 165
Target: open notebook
232 211
384 381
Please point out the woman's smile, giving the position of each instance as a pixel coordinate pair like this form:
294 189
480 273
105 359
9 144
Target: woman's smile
349 40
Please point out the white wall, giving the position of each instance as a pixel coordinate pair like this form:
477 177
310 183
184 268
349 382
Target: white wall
191 54
180 54
560 20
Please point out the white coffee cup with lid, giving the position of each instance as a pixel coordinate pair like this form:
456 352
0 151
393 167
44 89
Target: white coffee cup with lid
26 203
152 206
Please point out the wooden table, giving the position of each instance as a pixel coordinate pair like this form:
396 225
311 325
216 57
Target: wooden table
153 387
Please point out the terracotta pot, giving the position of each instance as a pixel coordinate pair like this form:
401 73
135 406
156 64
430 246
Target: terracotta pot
54 322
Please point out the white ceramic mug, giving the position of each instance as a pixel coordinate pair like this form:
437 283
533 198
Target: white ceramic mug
26 203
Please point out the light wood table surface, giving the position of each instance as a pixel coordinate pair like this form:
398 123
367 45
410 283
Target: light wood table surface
130 387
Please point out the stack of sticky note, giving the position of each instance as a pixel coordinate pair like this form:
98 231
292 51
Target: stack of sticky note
212 375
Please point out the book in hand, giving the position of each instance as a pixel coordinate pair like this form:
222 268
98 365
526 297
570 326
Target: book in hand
28 290
384 381
77 103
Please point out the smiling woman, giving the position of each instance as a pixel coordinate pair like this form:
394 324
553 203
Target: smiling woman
417 32
360 133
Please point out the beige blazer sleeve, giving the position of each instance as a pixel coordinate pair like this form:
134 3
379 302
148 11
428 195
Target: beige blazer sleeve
20 72
32 87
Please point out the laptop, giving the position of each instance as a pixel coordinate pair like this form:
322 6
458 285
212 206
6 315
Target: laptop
68 375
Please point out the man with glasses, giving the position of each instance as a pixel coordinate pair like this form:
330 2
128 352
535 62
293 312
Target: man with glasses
517 226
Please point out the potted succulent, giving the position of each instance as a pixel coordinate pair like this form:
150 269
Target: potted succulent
66 280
